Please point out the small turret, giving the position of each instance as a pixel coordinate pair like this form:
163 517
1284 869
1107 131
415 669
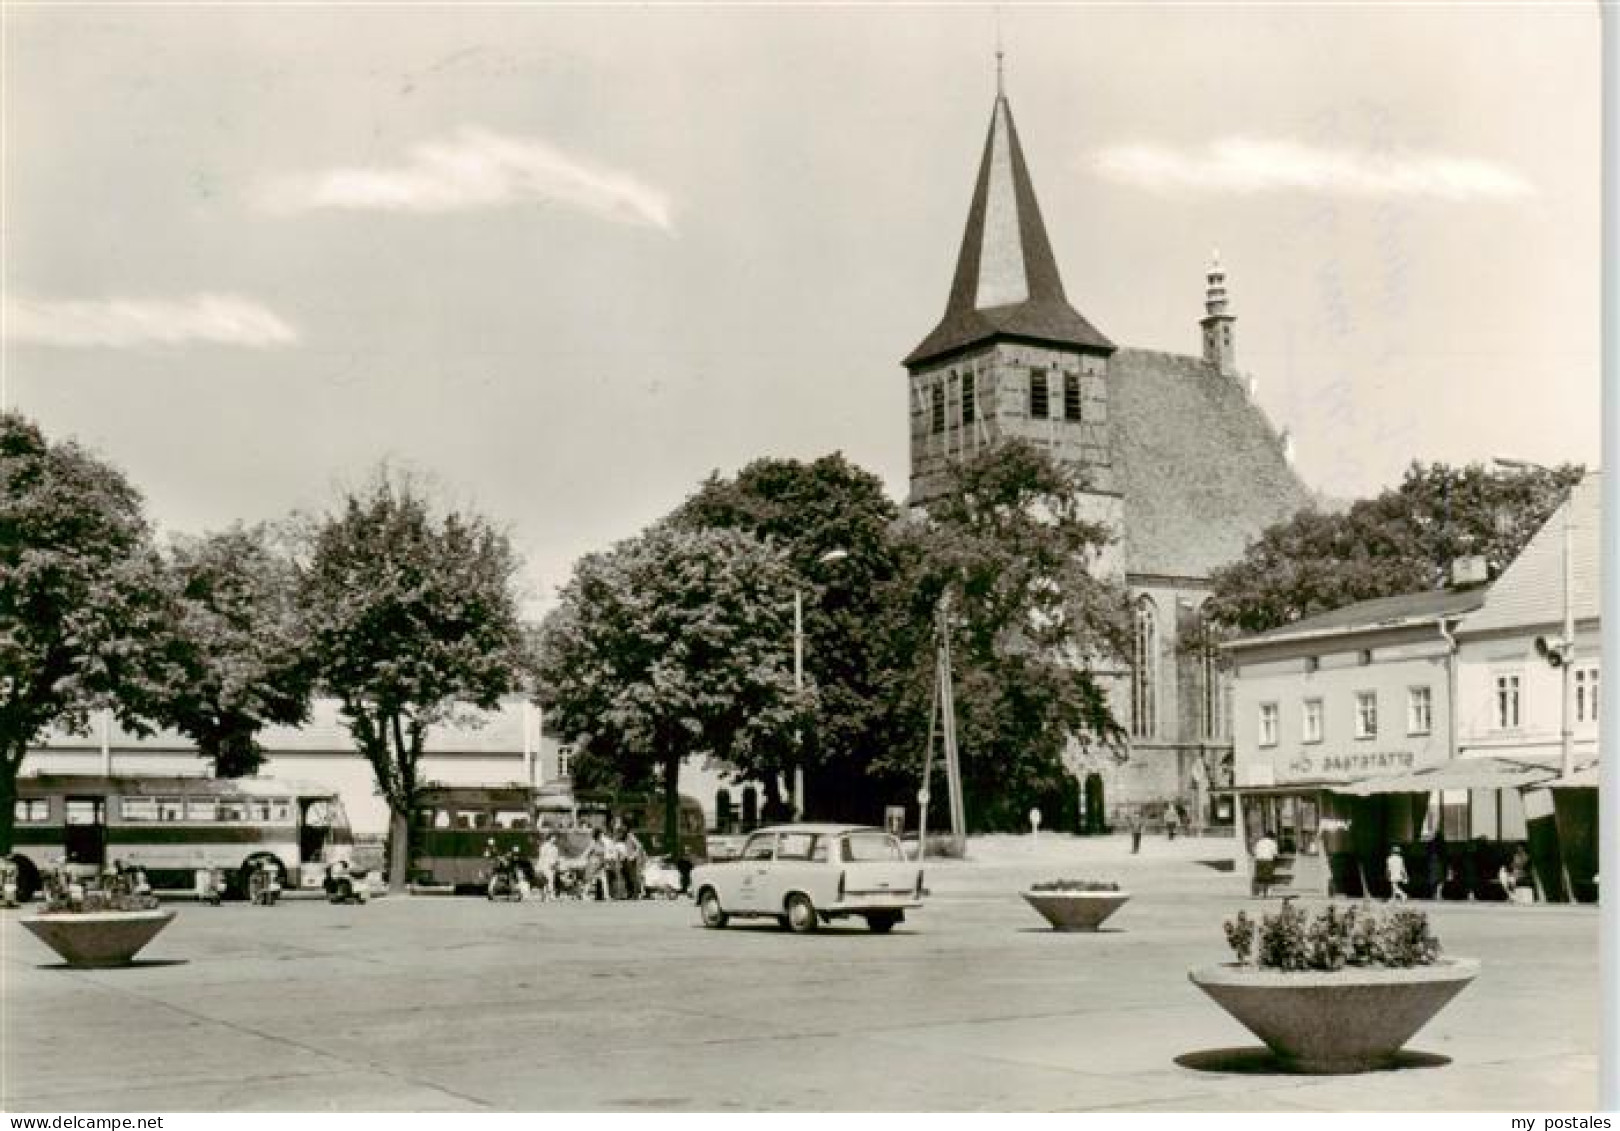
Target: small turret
1220 348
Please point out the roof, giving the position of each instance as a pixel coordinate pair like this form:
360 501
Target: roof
472 732
1530 592
821 829
1006 282
1461 773
160 784
1201 468
1381 612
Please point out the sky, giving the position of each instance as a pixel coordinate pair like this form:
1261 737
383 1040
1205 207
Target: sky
567 262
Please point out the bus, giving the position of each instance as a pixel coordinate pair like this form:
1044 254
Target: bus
171 826
459 827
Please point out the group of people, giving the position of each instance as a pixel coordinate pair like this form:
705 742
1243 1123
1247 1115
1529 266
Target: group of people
613 866
1137 822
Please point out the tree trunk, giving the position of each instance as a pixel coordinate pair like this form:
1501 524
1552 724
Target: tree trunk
399 850
672 807
10 763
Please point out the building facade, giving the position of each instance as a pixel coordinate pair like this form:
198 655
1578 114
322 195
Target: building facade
1178 461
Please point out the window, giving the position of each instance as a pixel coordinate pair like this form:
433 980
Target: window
859 847
565 761
472 819
1311 730
969 399
84 812
1366 714
1268 724
759 847
32 810
1586 695
1419 710
1071 396
511 819
937 425
1037 394
1507 702
794 846
1145 671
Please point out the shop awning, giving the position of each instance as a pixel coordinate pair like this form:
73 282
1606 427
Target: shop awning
1582 777
1464 773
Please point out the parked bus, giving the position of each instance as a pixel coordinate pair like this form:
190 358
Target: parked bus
458 828
173 825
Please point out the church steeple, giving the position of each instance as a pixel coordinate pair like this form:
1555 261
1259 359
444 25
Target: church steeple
1220 347
1006 283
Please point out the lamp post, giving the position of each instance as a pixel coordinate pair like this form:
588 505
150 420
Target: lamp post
1566 645
798 680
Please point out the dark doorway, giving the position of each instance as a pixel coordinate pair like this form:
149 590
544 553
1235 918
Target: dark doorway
85 836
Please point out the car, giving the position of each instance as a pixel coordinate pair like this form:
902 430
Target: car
804 875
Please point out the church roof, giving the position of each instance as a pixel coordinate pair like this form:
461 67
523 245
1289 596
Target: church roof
1201 469
1006 282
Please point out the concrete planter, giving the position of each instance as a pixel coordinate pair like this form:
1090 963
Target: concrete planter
98 938
1076 910
1349 1020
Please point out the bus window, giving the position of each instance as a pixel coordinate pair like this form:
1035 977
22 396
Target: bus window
138 808
33 810
202 809
171 808
472 819
269 810
511 819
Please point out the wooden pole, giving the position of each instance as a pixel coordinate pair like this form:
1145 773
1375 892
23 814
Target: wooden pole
953 766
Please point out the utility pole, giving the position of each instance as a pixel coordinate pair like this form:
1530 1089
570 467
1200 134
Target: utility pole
947 707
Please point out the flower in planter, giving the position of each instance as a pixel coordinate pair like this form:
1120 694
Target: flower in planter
1333 939
1074 885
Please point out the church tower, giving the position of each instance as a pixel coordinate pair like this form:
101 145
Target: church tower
1220 350
1011 357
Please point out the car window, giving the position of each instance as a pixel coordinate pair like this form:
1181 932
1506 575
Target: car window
794 846
759 847
860 847
819 852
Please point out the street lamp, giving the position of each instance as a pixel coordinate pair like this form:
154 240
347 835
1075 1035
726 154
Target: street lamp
1565 650
798 679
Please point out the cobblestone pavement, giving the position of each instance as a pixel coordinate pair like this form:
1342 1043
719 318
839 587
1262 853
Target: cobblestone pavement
440 1004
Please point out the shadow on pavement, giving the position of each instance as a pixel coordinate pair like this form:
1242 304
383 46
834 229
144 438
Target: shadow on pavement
1258 1060
1068 934
134 964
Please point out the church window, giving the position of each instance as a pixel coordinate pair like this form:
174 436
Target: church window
1211 693
938 423
1071 396
1037 394
1145 671
969 401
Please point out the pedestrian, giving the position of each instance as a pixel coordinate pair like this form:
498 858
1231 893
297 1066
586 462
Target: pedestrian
615 866
1265 865
596 879
549 858
635 863
1172 820
1395 871
1135 820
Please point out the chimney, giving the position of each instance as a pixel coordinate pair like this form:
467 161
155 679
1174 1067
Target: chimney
1471 570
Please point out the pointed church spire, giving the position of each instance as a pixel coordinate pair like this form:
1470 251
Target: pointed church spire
1220 348
1006 282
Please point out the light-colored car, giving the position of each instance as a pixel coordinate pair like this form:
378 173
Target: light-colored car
804 875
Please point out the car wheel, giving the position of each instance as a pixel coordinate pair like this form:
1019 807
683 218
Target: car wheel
709 908
882 922
801 915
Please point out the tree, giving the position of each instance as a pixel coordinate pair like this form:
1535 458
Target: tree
80 597
238 647
1403 540
858 652
1034 631
409 615
673 644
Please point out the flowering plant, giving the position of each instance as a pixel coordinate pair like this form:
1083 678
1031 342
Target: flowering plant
1074 885
1333 938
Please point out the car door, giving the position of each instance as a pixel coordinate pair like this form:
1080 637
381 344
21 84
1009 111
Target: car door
754 873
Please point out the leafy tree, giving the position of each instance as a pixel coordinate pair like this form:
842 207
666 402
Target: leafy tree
672 644
1403 540
80 597
1034 631
409 615
835 526
237 644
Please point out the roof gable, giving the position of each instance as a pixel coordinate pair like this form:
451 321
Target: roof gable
1530 591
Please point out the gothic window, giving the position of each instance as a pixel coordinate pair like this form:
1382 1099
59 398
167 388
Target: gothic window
938 423
1037 394
1211 720
1071 396
1145 671
969 400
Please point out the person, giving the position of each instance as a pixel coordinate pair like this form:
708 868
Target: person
1172 820
1135 820
1395 872
615 866
1515 875
1265 864
549 858
635 861
596 878
1438 870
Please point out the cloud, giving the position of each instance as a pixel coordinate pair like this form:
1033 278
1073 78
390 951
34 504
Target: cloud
1255 165
118 322
475 169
